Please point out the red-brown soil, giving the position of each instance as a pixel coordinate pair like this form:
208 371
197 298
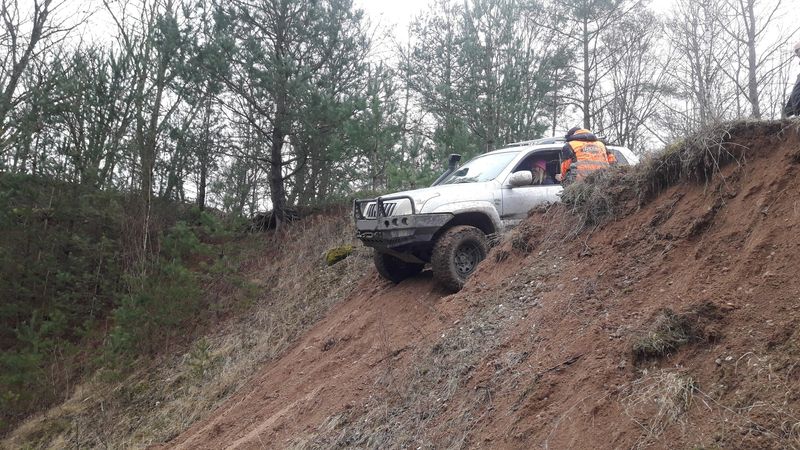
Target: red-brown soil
329 368
537 350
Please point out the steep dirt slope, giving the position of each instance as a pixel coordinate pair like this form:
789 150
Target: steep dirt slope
336 362
724 257
676 326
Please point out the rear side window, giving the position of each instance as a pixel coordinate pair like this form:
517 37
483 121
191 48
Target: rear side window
621 160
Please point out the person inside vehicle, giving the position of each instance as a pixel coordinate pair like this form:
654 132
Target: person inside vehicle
581 155
540 175
792 107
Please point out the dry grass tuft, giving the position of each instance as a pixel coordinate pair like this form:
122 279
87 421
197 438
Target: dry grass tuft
602 197
609 194
670 331
658 400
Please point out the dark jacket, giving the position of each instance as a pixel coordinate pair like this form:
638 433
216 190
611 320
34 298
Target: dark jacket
792 107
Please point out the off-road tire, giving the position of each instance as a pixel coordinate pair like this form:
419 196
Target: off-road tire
457 253
394 269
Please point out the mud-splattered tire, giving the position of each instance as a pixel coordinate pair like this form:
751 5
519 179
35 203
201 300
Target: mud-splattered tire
394 269
457 253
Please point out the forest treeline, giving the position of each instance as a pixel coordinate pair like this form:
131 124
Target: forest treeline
229 103
106 136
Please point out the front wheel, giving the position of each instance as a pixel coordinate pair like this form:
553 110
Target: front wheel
456 255
395 269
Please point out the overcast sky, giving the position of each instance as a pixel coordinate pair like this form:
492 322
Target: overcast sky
392 14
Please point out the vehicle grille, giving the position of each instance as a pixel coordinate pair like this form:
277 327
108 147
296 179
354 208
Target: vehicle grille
372 209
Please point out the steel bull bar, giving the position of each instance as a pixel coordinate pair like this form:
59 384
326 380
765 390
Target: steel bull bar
385 232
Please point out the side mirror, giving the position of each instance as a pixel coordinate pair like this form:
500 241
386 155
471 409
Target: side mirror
452 161
521 178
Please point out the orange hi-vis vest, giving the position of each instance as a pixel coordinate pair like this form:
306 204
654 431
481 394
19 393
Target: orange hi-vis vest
589 156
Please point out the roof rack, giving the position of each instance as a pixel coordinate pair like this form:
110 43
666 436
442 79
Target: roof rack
554 140
541 141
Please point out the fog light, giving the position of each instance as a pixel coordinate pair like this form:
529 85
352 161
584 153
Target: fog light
394 222
405 221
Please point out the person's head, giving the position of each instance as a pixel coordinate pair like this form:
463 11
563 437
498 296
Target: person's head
576 130
539 164
572 131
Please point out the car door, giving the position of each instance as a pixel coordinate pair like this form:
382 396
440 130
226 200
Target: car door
518 201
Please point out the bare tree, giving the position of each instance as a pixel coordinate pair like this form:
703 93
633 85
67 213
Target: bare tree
26 35
151 36
637 79
583 23
698 41
756 42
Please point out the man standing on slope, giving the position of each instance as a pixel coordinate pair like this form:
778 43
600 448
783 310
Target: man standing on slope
583 154
792 107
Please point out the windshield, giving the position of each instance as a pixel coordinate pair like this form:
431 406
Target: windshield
482 168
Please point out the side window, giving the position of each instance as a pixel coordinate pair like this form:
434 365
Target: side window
620 157
543 164
525 164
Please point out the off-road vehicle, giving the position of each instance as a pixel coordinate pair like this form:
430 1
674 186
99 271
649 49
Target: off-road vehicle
446 225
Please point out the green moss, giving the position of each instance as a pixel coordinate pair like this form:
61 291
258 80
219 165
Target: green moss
337 254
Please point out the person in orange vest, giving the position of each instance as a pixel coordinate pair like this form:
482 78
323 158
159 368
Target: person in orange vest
792 107
583 154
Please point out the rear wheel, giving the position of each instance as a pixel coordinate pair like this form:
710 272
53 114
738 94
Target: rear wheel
456 255
395 269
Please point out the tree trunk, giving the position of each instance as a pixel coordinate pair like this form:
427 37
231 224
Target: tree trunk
751 60
204 156
587 115
201 188
277 190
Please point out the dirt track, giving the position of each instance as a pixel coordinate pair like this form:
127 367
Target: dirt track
337 362
559 371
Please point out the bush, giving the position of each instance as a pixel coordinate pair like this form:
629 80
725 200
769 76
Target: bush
181 242
71 261
162 299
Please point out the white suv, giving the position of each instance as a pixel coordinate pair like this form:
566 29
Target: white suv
446 224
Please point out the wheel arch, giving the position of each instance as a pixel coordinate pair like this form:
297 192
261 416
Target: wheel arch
477 219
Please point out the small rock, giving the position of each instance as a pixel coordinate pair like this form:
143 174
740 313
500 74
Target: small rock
718 361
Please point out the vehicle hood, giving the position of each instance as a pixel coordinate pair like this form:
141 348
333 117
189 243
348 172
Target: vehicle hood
430 198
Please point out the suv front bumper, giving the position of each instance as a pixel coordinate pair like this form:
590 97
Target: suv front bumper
386 232
396 231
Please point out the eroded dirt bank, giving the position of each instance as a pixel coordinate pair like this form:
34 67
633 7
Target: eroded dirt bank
675 326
